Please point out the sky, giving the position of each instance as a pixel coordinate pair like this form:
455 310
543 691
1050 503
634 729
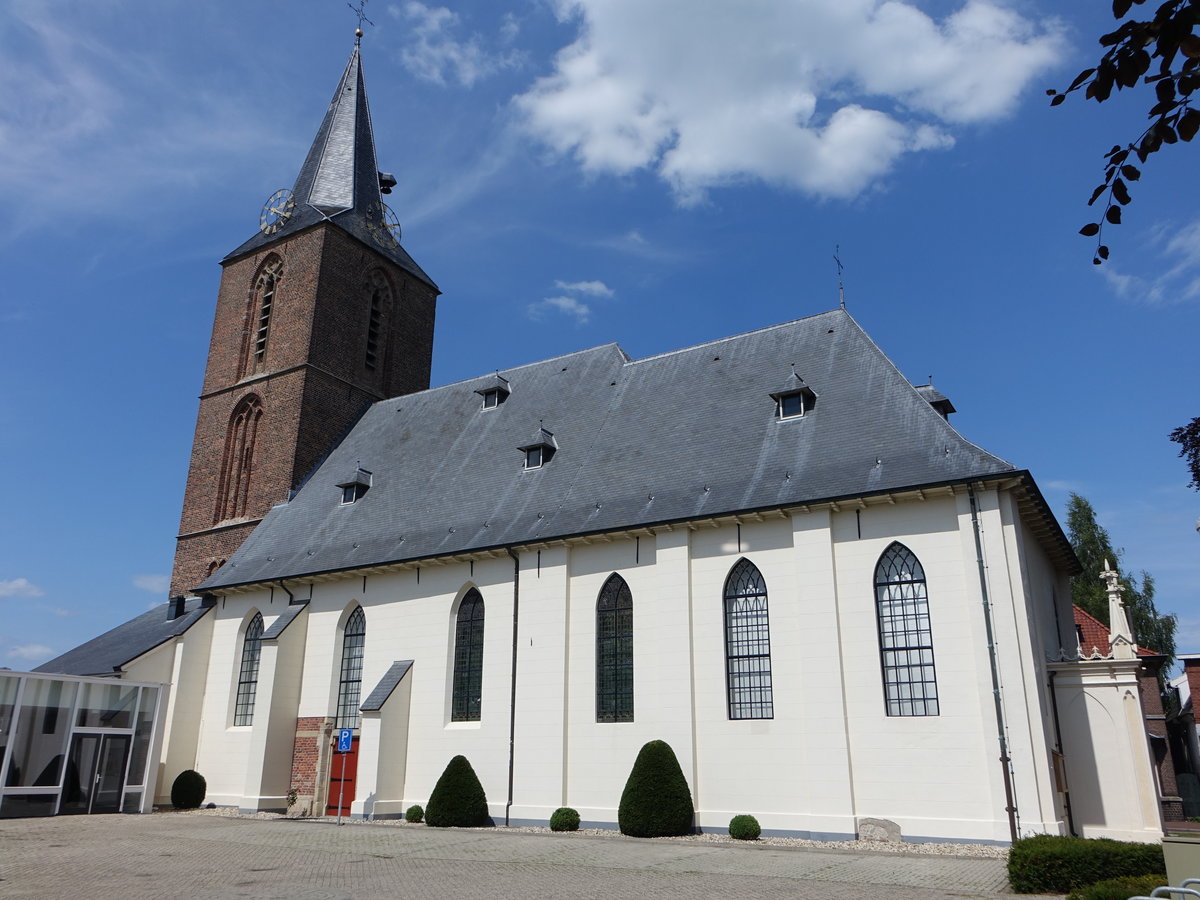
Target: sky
572 173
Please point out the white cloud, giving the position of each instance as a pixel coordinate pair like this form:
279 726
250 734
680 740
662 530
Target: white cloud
435 55
1175 277
567 305
30 651
822 96
155 584
592 288
19 587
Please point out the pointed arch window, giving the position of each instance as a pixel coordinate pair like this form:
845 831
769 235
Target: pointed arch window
747 644
614 651
247 690
467 694
380 294
350 686
233 490
905 634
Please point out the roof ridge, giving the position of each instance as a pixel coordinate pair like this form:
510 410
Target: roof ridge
734 337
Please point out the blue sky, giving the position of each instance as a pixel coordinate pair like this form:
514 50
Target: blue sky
574 173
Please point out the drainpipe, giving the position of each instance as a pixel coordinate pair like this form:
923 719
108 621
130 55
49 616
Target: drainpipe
512 703
1058 741
291 597
1001 728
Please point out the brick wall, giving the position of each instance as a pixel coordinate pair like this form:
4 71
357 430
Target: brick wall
313 381
310 755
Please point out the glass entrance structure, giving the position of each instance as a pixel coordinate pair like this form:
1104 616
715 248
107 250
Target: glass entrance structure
77 745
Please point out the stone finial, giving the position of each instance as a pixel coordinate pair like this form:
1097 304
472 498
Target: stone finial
1120 635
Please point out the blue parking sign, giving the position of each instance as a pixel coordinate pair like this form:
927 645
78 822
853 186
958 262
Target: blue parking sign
345 736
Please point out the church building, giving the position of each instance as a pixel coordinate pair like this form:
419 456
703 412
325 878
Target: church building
771 551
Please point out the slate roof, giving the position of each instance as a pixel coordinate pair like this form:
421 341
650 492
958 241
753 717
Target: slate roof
106 654
388 683
684 435
339 181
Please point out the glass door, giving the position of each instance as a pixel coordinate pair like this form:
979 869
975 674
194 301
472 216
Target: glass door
95 774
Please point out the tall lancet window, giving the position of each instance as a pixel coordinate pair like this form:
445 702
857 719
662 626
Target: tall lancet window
905 635
243 713
265 289
380 294
614 652
467 694
747 644
350 685
237 467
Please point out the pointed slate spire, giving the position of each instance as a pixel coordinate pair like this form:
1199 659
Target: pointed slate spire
340 172
340 179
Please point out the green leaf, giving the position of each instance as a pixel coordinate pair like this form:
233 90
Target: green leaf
1165 90
1121 192
1081 78
1097 192
1131 173
1102 251
1057 99
1121 8
1091 229
1189 46
1189 124
1113 215
1166 132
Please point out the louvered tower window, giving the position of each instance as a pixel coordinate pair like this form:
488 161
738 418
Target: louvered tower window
265 290
350 685
747 644
467 694
614 652
247 689
905 635
380 293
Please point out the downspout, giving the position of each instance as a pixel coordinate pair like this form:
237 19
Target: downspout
291 596
1058 740
512 703
1001 727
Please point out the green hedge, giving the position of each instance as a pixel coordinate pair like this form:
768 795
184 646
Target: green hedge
1051 864
656 801
1119 888
457 800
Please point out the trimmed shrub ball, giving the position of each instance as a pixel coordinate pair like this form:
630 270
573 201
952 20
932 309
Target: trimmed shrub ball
414 814
458 800
656 801
744 828
564 819
188 790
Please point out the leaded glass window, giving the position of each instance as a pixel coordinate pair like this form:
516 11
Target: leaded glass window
350 686
747 644
467 696
243 713
905 636
614 652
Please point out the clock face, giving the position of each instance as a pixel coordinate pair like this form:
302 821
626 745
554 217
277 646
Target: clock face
276 211
383 225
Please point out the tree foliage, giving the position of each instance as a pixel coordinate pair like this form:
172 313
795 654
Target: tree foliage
1093 546
1188 438
1163 52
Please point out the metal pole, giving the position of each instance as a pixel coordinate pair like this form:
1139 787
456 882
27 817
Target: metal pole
341 787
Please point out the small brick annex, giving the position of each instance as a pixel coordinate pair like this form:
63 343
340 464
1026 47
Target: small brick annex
310 763
313 380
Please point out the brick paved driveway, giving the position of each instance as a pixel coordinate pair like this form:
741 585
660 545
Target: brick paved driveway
171 855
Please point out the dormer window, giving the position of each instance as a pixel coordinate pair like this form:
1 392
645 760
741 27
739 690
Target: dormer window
495 391
354 487
795 399
539 451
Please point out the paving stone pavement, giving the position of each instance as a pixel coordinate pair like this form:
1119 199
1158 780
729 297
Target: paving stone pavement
168 855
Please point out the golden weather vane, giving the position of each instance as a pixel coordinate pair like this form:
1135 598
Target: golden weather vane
360 12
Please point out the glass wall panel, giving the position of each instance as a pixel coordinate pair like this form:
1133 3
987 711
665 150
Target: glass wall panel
133 802
29 805
141 736
106 706
41 738
8 696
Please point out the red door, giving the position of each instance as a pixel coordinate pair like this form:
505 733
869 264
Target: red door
343 768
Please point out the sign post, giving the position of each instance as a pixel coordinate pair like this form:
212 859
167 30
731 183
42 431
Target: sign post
345 742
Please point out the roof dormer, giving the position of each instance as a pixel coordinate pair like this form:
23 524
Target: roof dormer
539 451
355 486
794 399
936 398
495 391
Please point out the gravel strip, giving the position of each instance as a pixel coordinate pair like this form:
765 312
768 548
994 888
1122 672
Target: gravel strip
987 851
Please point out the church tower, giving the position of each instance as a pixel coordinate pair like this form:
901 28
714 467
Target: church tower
319 314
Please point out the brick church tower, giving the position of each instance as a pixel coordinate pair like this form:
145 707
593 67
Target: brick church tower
318 315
